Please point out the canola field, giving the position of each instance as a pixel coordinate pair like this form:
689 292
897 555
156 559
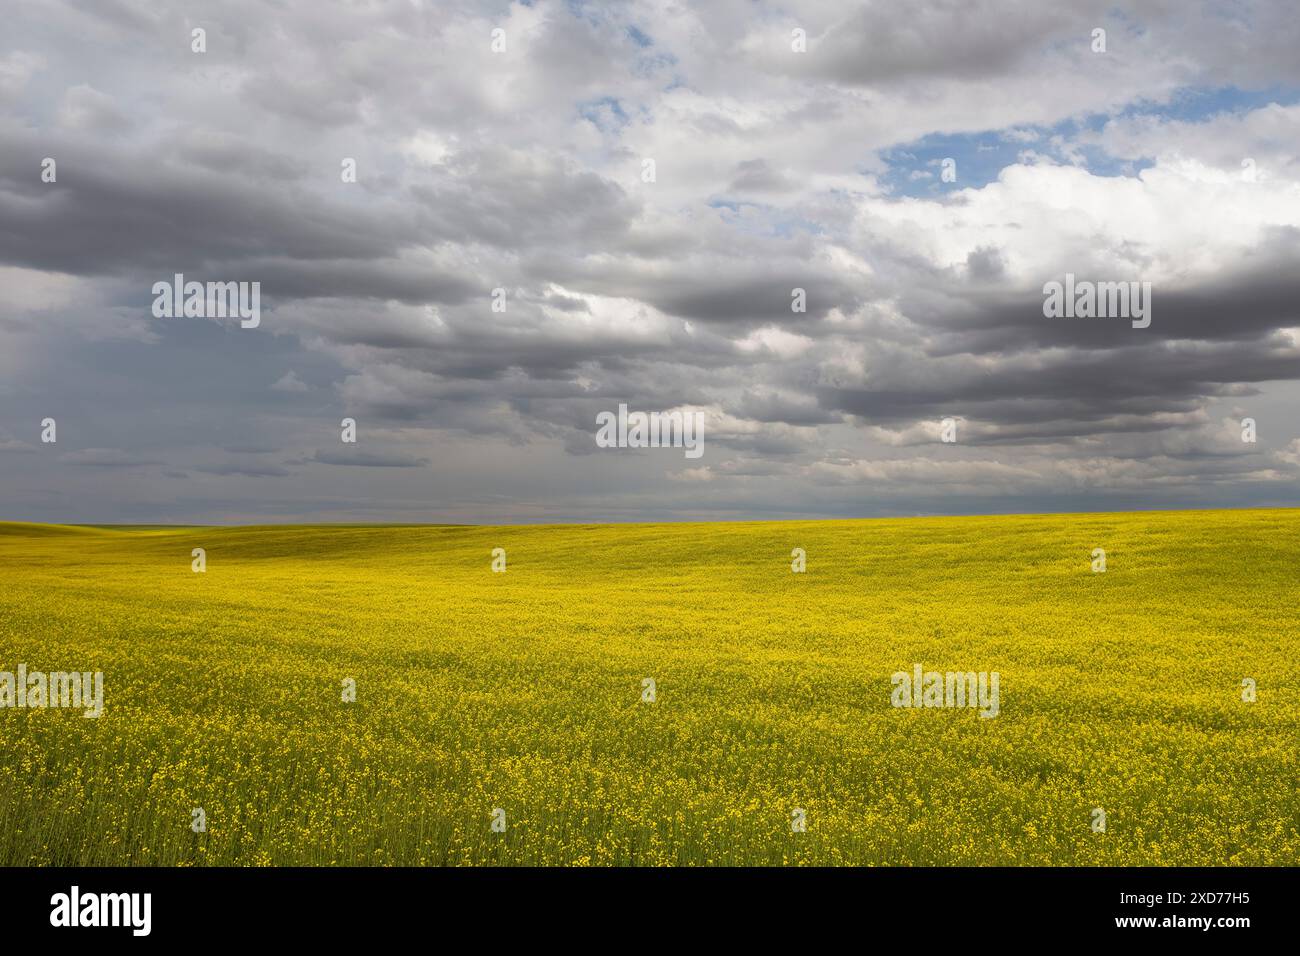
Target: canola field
523 692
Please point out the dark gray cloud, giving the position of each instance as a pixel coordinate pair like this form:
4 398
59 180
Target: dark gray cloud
947 39
368 459
105 458
526 171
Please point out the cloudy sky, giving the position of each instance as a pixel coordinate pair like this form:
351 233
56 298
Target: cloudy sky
1169 158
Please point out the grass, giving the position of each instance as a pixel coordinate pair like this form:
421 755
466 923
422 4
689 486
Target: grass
522 691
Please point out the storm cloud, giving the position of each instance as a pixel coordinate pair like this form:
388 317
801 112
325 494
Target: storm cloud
824 227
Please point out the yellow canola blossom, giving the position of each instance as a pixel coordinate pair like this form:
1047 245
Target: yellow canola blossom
505 718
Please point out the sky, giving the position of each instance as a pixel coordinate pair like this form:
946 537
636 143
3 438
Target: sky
646 184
